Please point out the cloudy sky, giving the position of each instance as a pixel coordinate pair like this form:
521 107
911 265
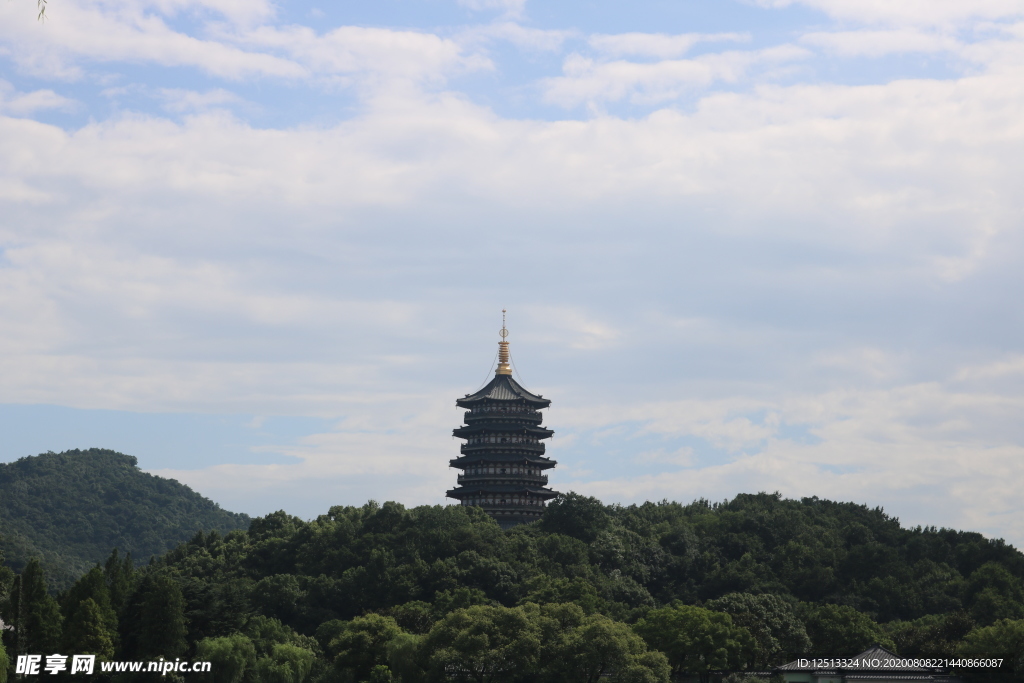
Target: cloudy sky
756 245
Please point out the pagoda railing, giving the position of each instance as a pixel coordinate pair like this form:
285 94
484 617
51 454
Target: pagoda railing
531 478
514 409
531 418
508 445
536 504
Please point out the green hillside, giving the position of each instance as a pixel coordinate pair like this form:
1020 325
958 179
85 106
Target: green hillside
70 509
620 561
591 592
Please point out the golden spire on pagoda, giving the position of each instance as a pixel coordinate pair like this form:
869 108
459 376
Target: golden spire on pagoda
503 366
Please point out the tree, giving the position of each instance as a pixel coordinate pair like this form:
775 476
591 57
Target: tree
92 586
120 574
994 593
69 509
483 643
154 623
4 664
380 674
459 598
543 589
87 632
279 596
285 664
37 617
935 635
600 647
7 577
555 622
578 516
696 640
650 667
1005 638
841 631
776 629
415 616
404 658
267 632
266 670
362 644
230 657
417 566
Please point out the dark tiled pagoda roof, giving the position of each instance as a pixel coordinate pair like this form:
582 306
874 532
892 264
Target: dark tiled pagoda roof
499 457
465 490
503 388
467 430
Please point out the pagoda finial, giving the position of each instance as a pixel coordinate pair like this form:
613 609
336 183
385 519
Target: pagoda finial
503 366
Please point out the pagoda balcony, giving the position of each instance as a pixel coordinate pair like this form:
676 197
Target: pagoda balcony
534 418
530 446
535 479
519 506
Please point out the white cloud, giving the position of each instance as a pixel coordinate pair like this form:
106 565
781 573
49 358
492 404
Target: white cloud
722 422
1006 368
124 33
681 457
587 80
925 452
767 258
512 8
371 52
949 13
524 37
178 100
875 363
925 159
244 12
21 104
921 168
867 43
660 45
569 327
376 452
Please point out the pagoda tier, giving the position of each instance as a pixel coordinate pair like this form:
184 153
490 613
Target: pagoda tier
503 396
501 431
502 462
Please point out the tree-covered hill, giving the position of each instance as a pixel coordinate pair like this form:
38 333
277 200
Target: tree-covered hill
638 593
618 560
70 509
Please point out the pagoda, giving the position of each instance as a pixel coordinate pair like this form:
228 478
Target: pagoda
503 461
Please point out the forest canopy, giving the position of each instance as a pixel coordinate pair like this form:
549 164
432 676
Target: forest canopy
638 593
70 509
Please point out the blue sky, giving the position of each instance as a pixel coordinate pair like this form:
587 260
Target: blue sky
761 245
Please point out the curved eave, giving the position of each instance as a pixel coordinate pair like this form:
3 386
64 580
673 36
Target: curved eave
468 430
503 388
545 463
536 491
